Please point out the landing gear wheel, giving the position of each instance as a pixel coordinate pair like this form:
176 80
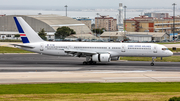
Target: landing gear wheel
94 63
152 64
89 62
85 63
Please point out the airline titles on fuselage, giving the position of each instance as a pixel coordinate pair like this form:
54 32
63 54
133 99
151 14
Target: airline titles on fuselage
53 47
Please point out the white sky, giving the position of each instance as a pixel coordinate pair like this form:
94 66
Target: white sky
79 4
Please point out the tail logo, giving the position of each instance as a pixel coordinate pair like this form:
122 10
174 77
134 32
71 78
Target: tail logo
23 36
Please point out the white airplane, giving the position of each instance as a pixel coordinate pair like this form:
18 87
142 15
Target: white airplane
94 52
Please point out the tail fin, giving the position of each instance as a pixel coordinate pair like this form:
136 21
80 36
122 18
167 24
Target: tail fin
28 35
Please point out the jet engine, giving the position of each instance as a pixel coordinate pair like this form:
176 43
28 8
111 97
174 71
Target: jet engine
101 58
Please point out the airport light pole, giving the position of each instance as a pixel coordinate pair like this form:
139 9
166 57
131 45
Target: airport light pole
3 32
97 19
125 18
173 19
97 22
66 9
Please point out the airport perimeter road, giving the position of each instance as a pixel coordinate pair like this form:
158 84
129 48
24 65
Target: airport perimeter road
43 63
176 53
172 45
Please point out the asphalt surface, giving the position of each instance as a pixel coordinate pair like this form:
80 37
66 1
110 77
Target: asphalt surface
44 63
176 53
35 68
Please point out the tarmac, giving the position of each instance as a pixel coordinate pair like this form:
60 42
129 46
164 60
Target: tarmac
35 68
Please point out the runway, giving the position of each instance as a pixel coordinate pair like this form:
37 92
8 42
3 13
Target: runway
35 68
176 54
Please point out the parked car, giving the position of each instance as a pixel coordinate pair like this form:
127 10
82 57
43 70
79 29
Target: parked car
50 39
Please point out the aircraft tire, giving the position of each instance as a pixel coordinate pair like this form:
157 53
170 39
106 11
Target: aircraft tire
152 64
85 63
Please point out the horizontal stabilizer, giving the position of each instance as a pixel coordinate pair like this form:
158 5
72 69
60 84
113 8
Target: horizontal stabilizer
22 46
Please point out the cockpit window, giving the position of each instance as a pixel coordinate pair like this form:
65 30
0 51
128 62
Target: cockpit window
165 49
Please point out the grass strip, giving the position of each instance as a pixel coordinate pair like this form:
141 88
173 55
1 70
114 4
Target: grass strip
160 96
12 50
158 59
89 88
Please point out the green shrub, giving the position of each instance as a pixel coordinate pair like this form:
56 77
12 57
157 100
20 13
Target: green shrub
174 99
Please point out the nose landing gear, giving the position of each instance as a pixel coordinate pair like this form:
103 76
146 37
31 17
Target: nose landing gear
152 63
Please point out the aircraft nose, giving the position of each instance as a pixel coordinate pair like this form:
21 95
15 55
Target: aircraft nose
170 53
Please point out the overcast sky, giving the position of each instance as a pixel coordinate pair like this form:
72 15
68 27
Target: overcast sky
85 4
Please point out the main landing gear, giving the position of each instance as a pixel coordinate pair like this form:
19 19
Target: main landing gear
152 63
89 61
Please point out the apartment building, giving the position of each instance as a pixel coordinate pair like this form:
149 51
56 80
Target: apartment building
152 24
106 22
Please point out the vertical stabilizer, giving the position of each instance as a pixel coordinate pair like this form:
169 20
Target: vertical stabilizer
28 35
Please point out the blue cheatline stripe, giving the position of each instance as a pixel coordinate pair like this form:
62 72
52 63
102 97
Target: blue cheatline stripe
24 39
18 25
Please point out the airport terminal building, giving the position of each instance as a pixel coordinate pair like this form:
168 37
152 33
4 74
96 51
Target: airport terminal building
50 23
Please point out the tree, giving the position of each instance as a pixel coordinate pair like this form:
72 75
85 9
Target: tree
63 32
42 34
103 29
17 36
98 31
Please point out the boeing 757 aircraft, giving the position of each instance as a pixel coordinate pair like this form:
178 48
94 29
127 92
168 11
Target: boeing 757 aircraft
94 52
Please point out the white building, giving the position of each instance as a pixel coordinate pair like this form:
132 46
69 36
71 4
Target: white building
139 37
136 36
8 35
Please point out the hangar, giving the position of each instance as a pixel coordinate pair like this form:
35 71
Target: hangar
49 22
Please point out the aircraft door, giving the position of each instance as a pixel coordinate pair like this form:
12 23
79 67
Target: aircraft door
155 49
41 47
123 49
70 47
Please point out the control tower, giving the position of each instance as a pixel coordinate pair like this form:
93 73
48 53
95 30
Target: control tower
120 17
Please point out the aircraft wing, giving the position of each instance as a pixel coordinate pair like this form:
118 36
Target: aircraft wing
22 46
80 53
74 51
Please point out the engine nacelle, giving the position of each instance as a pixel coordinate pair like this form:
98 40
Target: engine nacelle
101 58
